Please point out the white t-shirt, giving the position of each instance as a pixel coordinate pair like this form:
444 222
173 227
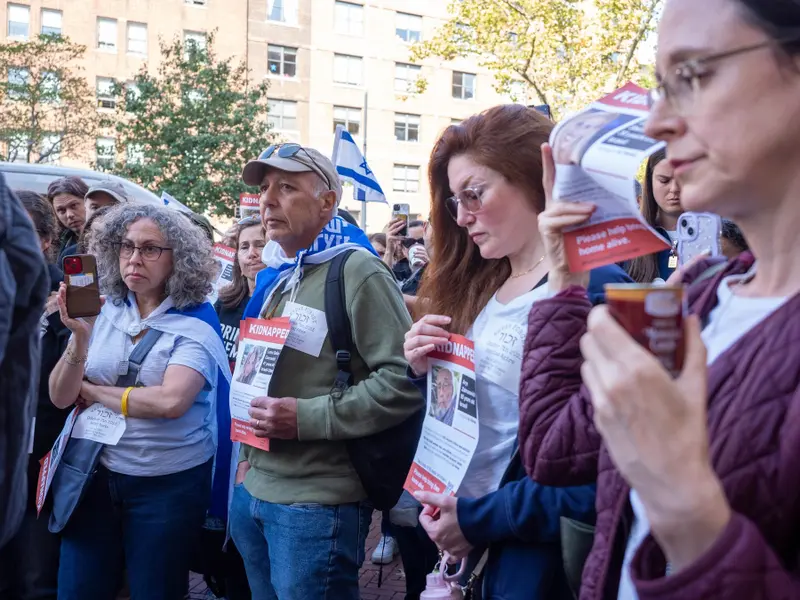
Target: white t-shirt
732 318
499 335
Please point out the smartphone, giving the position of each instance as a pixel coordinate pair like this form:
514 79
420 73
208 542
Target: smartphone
401 211
698 233
83 290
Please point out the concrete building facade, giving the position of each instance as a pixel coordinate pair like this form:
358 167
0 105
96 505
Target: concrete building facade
325 60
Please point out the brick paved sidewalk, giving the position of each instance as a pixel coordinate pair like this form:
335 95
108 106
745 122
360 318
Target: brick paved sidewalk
393 586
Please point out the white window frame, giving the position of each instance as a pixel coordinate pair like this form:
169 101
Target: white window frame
463 86
108 157
348 69
405 69
110 43
199 38
50 14
282 62
347 116
277 117
134 154
408 27
282 11
408 122
348 18
404 183
17 10
23 79
105 97
50 78
47 143
137 45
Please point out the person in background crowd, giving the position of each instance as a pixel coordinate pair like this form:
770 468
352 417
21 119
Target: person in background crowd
92 223
29 563
301 517
396 255
378 241
732 240
421 249
488 268
147 500
661 207
698 494
67 197
347 217
202 222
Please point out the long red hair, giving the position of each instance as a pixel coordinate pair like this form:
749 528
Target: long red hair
459 282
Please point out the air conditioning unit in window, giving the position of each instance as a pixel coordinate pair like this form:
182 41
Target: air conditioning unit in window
106 103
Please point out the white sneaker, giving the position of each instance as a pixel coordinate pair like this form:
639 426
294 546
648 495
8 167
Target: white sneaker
384 551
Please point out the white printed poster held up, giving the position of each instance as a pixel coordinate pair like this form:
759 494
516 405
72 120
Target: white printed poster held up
597 154
249 205
450 430
224 256
49 464
260 345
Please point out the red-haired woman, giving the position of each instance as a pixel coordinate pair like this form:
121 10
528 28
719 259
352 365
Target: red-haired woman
489 268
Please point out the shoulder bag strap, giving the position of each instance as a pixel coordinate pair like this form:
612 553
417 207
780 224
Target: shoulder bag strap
140 352
338 322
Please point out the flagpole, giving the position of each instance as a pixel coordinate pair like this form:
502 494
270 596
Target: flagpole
364 149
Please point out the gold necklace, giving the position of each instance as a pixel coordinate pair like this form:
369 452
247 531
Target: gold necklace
518 275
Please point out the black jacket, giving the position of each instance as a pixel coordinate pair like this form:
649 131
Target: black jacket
23 289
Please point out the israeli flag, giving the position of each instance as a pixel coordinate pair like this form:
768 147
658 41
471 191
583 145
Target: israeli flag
171 202
351 166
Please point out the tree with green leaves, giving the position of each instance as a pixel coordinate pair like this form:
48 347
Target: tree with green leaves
564 53
47 108
190 128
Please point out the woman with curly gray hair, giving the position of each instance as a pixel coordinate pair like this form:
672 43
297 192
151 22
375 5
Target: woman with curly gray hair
145 503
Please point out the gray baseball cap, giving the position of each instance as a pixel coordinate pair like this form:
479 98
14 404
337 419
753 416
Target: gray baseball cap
293 158
112 188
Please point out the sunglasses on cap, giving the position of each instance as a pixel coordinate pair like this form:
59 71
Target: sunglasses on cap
290 151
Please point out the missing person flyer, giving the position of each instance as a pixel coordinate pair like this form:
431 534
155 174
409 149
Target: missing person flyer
49 464
597 154
248 205
224 256
260 345
450 430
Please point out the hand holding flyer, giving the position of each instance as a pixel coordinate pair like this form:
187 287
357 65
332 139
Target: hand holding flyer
597 153
49 463
450 430
260 345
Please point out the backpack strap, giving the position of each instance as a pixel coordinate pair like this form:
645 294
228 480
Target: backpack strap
140 352
339 323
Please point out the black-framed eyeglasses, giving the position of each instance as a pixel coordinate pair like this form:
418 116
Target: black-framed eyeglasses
148 253
681 85
290 150
470 198
408 242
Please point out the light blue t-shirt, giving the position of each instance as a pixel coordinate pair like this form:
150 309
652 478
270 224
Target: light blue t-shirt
151 447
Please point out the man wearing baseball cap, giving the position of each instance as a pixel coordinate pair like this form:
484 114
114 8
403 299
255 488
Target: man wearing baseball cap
304 538
104 193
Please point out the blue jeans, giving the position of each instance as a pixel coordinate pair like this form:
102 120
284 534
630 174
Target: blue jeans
149 525
300 551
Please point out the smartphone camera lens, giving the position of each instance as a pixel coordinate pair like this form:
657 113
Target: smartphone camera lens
690 231
396 207
684 224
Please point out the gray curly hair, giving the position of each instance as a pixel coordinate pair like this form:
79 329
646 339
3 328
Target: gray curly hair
193 264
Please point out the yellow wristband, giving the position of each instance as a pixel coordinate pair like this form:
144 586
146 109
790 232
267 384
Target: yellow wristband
124 406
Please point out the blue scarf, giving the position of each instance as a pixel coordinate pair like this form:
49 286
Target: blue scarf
337 236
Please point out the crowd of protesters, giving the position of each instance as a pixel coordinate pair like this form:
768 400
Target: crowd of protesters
685 487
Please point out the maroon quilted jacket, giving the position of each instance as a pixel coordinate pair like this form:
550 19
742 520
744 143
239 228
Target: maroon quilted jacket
754 425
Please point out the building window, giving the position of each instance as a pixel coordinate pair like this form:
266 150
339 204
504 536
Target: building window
282 11
405 77
405 178
105 93
347 69
408 27
195 2
50 88
406 127
282 114
463 85
50 149
107 34
349 118
18 82
348 18
282 61
19 20
137 39
193 41
18 148
51 22
134 154
106 152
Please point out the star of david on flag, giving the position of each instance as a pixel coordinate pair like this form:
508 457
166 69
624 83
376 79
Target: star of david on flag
351 166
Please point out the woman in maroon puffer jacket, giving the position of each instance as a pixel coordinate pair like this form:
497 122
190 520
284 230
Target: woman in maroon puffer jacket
698 478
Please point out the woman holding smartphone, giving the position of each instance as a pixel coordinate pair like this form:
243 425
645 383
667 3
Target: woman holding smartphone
146 502
698 494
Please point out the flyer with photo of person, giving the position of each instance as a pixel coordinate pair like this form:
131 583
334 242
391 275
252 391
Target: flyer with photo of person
224 255
597 154
249 205
450 430
260 344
